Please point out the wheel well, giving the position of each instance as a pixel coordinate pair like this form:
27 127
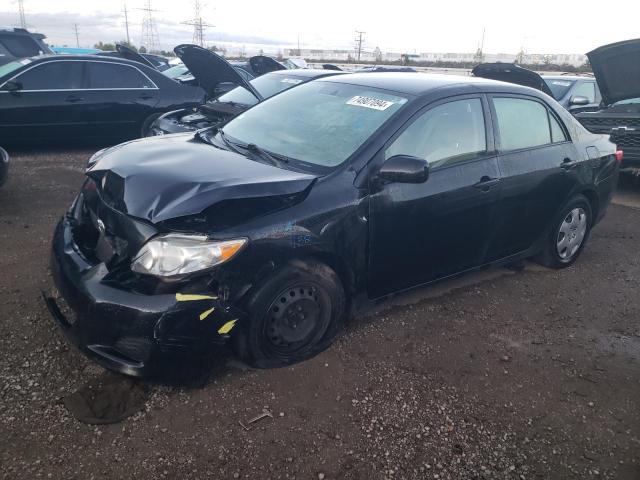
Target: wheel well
335 264
593 202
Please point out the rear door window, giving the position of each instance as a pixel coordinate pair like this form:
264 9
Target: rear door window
109 75
521 123
448 133
62 75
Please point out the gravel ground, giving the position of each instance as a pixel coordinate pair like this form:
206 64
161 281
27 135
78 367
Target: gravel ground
524 375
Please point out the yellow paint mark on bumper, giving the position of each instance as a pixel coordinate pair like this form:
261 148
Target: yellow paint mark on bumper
226 328
206 313
182 297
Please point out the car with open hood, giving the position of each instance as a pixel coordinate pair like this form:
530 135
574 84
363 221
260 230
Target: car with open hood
270 232
217 75
158 62
16 43
617 69
575 92
54 98
227 106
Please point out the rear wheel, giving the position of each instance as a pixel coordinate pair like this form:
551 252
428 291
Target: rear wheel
293 316
568 235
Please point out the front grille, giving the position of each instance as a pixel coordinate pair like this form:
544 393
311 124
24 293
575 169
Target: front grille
622 141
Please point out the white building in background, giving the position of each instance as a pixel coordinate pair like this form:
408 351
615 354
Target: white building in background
574 59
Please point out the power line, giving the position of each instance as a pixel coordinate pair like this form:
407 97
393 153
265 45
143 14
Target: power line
359 42
23 21
199 25
126 23
75 28
150 37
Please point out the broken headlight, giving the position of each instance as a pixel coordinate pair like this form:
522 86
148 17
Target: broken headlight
173 254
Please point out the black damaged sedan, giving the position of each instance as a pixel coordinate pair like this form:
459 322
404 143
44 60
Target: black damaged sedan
269 234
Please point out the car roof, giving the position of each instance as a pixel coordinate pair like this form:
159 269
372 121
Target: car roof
420 84
96 58
306 72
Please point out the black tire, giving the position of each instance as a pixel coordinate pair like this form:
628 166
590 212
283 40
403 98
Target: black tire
146 125
292 316
553 255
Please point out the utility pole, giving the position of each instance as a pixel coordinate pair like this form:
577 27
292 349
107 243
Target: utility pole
23 21
359 41
150 37
75 28
126 23
199 25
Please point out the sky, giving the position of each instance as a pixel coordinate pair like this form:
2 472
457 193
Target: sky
543 26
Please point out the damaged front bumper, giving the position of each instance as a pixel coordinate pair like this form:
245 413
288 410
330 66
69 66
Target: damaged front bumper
125 330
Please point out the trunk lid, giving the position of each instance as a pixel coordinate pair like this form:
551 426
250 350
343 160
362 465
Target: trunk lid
512 73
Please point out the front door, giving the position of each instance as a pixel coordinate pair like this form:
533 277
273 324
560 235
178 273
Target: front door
423 232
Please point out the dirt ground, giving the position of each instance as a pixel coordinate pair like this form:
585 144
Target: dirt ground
500 374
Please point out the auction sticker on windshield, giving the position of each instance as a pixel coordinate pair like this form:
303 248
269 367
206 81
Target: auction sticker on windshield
294 81
369 102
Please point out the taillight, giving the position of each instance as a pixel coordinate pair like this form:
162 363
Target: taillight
619 156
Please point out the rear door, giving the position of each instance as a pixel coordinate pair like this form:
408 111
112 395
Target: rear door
49 104
539 166
422 232
119 98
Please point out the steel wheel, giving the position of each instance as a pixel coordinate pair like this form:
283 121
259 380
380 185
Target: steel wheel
571 233
296 318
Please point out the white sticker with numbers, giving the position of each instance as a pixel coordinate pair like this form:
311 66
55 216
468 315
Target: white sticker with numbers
369 102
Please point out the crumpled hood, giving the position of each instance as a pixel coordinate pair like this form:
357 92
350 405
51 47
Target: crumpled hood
512 73
161 178
617 69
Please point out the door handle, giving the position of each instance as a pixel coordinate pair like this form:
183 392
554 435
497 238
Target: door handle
74 99
146 96
568 164
486 183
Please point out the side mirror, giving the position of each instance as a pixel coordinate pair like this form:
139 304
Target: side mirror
404 169
578 100
12 86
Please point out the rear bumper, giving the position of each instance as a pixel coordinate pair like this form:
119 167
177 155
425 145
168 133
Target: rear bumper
124 330
631 157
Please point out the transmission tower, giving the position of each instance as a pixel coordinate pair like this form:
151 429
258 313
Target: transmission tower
150 37
126 23
23 21
199 25
75 29
359 42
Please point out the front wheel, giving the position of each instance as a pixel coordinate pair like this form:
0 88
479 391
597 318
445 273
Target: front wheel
568 235
293 315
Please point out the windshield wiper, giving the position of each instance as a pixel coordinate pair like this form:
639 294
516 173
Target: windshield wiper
252 147
228 142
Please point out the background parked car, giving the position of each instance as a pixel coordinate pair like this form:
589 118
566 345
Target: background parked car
617 68
233 103
574 92
55 97
19 43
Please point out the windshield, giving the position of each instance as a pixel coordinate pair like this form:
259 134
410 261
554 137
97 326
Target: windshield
321 123
558 87
175 71
266 85
11 66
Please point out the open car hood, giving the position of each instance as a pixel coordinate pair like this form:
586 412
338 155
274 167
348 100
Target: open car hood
210 69
166 177
512 73
617 69
261 64
130 54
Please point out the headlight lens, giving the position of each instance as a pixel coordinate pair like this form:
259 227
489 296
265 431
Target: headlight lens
174 254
